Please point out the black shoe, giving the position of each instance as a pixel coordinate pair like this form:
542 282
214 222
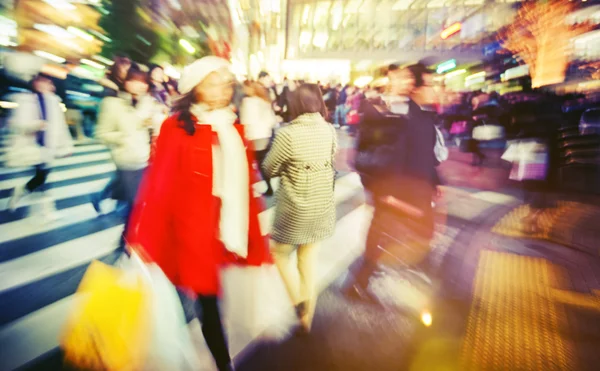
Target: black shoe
269 192
357 293
96 204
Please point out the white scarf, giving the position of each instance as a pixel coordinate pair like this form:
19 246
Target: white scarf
232 185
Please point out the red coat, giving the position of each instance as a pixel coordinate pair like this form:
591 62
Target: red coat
176 216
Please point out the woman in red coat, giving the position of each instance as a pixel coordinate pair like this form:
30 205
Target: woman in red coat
196 209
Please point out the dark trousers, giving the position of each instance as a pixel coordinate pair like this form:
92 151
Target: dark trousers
39 179
405 247
260 158
212 329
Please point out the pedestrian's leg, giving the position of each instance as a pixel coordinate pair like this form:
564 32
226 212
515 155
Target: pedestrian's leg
260 158
357 283
307 255
214 334
39 179
282 253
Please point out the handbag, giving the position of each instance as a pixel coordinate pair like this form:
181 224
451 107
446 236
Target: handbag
24 152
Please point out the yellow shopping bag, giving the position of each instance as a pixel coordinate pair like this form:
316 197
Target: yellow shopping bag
109 326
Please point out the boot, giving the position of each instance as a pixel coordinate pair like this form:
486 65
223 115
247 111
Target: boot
18 193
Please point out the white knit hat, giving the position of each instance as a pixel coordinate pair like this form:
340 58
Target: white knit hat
196 72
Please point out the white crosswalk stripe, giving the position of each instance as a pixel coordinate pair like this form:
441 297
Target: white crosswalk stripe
37 258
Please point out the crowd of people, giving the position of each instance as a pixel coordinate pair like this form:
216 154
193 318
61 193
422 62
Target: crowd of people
188 157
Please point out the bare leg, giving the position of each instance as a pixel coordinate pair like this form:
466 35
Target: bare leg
282 253
307 268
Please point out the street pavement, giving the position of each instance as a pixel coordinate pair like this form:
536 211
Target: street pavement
41 264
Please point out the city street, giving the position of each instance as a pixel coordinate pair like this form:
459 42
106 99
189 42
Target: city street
502 303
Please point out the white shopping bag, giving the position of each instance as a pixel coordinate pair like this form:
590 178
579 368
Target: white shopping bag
255 302
171 346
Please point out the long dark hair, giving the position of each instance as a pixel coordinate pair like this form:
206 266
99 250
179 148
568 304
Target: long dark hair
181 107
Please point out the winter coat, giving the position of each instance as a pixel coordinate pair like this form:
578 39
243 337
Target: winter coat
125 129
258 118
395 155
302 155
176 217
25 122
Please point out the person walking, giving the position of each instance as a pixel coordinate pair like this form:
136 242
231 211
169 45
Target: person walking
123 125
260 121
41 136
340 108
302 156
192 217
396 161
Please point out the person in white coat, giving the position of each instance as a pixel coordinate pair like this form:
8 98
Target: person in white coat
123 124
259 120
41 135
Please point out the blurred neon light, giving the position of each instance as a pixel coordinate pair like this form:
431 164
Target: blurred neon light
455 73
171 71
81 33
49 56
106 61
446 66
8 105
476 75
451 30
363 81
79 94
101 36
187 46
92 63
426 318
61 4
53 30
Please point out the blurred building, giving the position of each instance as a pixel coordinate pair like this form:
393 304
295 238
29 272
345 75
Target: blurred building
368 33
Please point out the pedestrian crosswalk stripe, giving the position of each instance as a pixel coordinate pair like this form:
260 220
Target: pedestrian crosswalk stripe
76 151
61 176
41 263
23 228
38 331
63 192
102 156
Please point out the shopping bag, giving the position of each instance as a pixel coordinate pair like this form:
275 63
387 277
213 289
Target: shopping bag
529 158
488 132
108 327
170 345
255 302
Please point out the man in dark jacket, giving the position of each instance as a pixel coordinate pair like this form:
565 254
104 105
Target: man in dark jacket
396 161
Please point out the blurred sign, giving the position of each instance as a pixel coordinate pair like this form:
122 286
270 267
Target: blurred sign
451 30
516 72
446 66
491 49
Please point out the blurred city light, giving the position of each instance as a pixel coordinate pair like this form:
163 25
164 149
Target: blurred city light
61 4
92 63
451 30
106 61
426 318
49 56
54 30
78 32
446 66
187 46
